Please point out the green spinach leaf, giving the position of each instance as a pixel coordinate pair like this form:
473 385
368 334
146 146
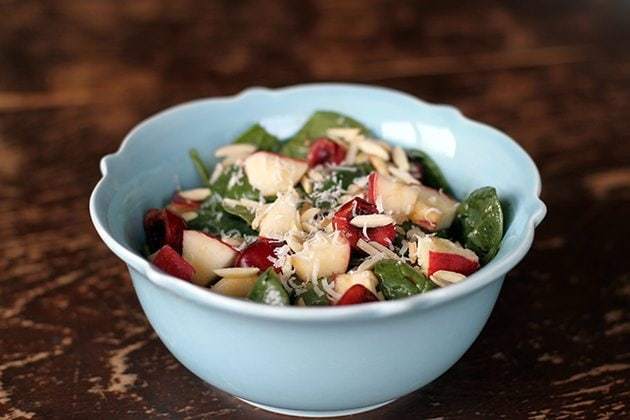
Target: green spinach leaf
213 219
260 138
432 176
312 298
326 193
233 183
398 280
269 290
201 168
479 223
316 126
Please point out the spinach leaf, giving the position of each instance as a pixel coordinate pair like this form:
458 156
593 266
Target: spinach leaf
240 211
269 290
479 223
233 183
260 138
316 126
432 176
326 193
399 280
199 166
213 219
311 298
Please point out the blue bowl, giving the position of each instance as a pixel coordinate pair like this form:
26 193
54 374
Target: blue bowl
313 361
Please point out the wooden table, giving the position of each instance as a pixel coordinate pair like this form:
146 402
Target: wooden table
75 76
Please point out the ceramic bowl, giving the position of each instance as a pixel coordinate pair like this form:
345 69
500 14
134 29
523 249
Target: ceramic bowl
313 361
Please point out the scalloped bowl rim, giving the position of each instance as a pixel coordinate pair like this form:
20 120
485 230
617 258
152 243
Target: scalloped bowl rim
491 272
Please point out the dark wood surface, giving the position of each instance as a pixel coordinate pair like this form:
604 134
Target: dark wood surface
75 76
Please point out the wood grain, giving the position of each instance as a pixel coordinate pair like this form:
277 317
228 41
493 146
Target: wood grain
75 76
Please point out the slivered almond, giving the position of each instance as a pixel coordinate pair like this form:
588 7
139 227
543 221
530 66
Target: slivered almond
373 148
235 150
413 251
400 159
196 194
307 184
370 262
216 173
371 220
367 248
362 157
315 175
343 133
189 215
351 155
386 251
402 175
379 164
384 144
236 271
444 278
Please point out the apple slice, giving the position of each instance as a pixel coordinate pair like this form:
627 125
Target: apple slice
358 207
272 173
206 254
259 254
324 151
239 287
163 227
279 217
357 294
395 197
433 210
367 279
168 260
435 254
323 255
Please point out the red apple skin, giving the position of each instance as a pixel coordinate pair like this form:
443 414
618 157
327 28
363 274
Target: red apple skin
257 254
324 150
163 227
371 190
384 235
357 294
168 260
182 202
451 262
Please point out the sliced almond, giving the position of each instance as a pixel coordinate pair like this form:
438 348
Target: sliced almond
189 215
367 248
307 184
315 175
370 262
236 271
413 251
196 194
379 164
400 159
351 154
346 134
373 148
216 173
386 251
404 176
444 278
371 220
384 144
235 151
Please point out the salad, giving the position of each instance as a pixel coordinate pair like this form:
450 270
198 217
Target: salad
330 216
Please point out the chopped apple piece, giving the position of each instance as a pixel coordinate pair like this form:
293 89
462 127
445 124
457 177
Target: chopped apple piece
259 254
392 196
357 294
206 254
433 210
367 279
323 255
239 287
435 254
275 220
272 173
168 260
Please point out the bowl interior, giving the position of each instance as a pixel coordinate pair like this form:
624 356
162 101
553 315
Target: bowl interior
153 160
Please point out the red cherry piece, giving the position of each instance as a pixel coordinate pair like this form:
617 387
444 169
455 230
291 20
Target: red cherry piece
357 294
168 260
451 262
323 151
341 221
163 227
259 254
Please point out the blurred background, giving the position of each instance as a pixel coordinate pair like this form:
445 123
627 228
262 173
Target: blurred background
75 76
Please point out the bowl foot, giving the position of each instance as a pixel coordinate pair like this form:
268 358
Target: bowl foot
307 413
